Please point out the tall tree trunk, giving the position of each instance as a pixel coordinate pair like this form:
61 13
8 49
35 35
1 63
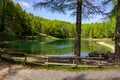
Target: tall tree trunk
78 30
2 26
117 35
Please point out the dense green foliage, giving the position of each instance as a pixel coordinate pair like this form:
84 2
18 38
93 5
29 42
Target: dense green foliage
15 23
18 24
54 28
99 30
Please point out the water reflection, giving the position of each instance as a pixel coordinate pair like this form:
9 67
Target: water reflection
72 54
58 47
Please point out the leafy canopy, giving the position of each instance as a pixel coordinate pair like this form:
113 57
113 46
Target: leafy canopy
88 6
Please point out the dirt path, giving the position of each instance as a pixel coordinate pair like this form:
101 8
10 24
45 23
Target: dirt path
15 72
20 73
108 45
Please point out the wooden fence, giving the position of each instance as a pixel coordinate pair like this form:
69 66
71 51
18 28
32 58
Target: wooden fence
50 59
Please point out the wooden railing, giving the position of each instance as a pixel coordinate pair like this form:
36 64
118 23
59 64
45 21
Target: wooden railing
48 59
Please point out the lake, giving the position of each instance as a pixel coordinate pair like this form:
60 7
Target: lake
57 47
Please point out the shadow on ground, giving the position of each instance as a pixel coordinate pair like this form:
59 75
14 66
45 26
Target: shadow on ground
83 77
79 77
7 70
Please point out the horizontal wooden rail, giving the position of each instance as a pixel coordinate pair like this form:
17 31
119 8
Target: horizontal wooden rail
47 59
63 64
73 57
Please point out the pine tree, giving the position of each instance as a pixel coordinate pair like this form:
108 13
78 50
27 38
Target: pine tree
3 4
115 12
117 35
78 7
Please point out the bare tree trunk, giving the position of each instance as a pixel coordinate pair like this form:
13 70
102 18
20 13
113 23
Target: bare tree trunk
2 26
78 30
117 36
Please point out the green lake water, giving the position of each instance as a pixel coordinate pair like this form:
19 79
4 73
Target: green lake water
58 47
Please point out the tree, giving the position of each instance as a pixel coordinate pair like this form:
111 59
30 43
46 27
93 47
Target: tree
76 7
14 22
115 12
3 4
117 34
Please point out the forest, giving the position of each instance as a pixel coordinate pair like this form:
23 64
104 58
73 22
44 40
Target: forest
16 23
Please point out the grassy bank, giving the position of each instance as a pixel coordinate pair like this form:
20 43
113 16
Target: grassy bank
106 40
110 42
63 68
42 37
53 67
97 39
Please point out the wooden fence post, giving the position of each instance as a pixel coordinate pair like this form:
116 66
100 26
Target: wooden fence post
73 60
25 60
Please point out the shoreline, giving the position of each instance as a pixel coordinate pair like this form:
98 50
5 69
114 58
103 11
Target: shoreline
108 45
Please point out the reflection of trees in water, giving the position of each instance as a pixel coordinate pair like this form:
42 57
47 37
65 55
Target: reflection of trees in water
54 47
90 46
59 47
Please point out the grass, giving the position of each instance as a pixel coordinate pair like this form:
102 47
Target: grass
110 42
71 69
43 37
48 37
64 68
106 40
96 39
